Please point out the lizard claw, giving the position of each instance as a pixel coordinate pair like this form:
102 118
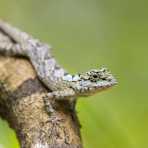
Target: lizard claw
49 103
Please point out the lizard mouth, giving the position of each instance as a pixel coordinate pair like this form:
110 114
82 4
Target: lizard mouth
107 83
103 84
93 90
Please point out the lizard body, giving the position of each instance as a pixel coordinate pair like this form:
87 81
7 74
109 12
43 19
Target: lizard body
62 84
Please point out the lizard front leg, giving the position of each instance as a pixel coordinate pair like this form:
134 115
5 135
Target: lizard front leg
50 98
62 94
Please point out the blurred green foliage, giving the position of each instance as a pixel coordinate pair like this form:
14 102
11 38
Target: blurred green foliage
88 34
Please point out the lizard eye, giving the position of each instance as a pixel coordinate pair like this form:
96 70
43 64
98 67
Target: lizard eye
95 76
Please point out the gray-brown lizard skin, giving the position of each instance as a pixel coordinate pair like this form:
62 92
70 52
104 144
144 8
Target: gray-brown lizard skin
62 84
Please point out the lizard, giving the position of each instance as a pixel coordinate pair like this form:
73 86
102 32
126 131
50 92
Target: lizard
63 86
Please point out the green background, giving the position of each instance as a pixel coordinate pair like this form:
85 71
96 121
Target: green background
88 34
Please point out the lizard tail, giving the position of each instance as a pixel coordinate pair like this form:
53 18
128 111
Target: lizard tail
15 34
11 49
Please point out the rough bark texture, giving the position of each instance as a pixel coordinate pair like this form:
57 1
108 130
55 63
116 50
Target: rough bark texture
21 104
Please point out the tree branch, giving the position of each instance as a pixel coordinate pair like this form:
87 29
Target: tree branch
21 104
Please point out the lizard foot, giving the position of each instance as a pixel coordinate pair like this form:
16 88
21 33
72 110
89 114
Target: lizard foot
49 102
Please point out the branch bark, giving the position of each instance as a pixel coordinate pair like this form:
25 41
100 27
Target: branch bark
21 104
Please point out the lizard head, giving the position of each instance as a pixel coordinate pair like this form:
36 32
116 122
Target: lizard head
93 81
